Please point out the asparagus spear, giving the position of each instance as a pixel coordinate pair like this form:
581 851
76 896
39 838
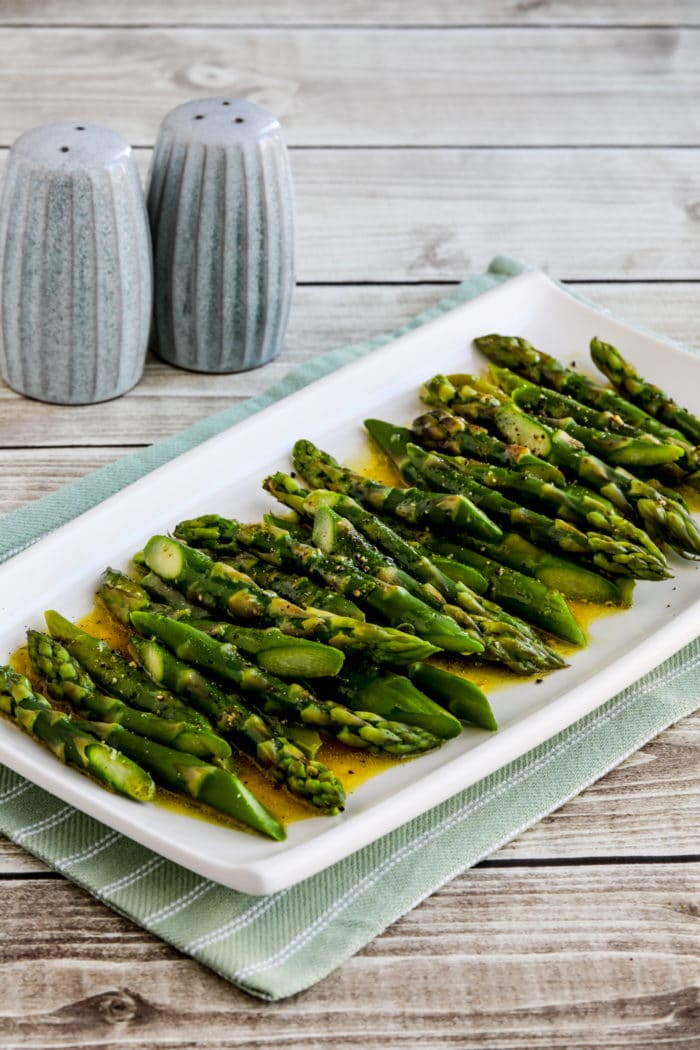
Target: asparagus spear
461 697
301 590
395 698
357 729
652 399
442 430
65 680
223 588
542 401
504 639
528 596
545 370
117 675
123 596
68 741
412 505
617 556
260 737
633 448
665 519
610 553
271 649
397 605
191 776
575 579
305 502
516 553
573 502
125 592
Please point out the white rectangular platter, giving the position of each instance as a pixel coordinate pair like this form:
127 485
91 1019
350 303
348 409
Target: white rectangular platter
224 474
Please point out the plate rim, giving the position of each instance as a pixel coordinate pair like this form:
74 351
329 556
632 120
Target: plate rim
264 876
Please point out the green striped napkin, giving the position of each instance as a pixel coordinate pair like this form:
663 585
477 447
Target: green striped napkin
278 945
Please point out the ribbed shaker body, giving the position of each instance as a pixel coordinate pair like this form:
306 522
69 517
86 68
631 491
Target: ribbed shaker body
220 204
76 287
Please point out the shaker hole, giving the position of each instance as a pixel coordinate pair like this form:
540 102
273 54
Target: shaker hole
239 120
224 103
64 149
79 127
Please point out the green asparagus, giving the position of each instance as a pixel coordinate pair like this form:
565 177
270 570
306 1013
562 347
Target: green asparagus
258 736
394 603
652 399
117 675
396 698
446 432
225 589
545 370
572 502
301 590
69 741
412 505
632 448
616 556
65 680
665 519
357 729
572 578
271 649
504 639
461 697
191 776
529 600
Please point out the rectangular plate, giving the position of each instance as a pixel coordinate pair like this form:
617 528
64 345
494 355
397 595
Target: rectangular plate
224 475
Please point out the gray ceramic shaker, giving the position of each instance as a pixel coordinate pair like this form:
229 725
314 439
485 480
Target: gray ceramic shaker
76 289
220 204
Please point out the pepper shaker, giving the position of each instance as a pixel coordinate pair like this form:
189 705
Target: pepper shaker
220 205
76 282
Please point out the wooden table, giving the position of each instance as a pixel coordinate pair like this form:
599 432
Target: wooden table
425 136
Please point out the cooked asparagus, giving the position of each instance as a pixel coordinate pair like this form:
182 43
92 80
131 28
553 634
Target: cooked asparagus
70 742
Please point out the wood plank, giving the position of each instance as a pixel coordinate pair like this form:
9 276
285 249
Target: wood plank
409 216
355 87
607 956
446 13
637 810
422 215
16 861
30 475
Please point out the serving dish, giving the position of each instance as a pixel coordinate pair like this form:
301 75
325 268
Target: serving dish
224 474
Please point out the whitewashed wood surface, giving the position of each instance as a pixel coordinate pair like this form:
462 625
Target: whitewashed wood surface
425 138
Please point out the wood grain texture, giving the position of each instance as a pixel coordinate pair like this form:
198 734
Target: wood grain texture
426 137
438 89
30 474
447 13
478 974
584 215
429 215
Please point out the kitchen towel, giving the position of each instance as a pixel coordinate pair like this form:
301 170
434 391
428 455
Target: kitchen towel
276 946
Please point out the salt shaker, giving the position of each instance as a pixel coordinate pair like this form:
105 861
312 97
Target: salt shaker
220 205
76 288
